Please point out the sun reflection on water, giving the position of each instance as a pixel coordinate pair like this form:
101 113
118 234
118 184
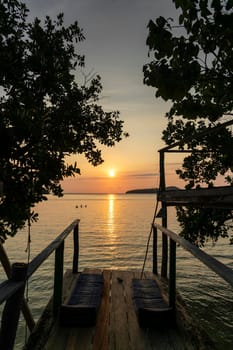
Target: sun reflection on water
111 199
111 220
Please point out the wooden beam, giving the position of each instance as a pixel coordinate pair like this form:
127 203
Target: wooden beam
209 197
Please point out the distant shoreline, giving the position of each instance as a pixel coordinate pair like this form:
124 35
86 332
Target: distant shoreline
149 190
142 190
134 191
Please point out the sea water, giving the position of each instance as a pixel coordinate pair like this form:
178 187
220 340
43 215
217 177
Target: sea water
114 230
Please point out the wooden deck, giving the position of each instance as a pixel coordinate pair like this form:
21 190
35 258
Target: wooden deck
117 325
216 197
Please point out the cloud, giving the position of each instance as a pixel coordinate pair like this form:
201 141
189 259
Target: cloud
143 175
119 176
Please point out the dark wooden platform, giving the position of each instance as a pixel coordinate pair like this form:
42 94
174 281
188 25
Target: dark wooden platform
215 197
82 306
117 325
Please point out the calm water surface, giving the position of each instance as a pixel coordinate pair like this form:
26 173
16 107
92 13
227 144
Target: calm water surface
113 234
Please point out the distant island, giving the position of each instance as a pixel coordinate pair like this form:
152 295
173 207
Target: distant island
150 190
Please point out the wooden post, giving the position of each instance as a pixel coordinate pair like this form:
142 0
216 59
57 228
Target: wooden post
58 278
155 251
164 217
172 274
162 184
11 312
25 309
164 245
76 248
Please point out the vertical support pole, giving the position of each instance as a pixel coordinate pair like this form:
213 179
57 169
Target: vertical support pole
172 274
11 312
164 244
162 184
155 251
76 248
164 217
58 278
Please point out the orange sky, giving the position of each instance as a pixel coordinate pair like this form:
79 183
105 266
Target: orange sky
98 180
115 48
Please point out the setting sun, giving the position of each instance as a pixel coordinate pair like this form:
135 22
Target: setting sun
111 173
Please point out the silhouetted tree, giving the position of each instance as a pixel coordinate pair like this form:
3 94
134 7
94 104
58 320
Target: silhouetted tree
192 67
45 113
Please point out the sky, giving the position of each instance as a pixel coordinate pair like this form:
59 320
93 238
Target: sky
115 48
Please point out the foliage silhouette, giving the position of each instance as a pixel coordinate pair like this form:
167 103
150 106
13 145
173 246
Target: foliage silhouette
192 67
45 113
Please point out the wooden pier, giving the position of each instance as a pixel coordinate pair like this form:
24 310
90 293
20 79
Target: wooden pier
117 324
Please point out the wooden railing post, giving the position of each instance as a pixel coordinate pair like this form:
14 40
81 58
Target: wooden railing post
164 217
25 308
164 255
11 312
58 278
155 251
76 248
172 274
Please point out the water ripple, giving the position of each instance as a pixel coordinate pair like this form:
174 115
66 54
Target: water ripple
113 234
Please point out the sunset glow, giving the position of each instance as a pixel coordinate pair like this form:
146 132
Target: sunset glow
111 173
132 163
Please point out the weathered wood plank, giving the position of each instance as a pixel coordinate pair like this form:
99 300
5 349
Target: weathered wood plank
100 341
47 334
80 338
59 335
117 326
187 335
137 335
58 338
166 339
72 338
169 338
